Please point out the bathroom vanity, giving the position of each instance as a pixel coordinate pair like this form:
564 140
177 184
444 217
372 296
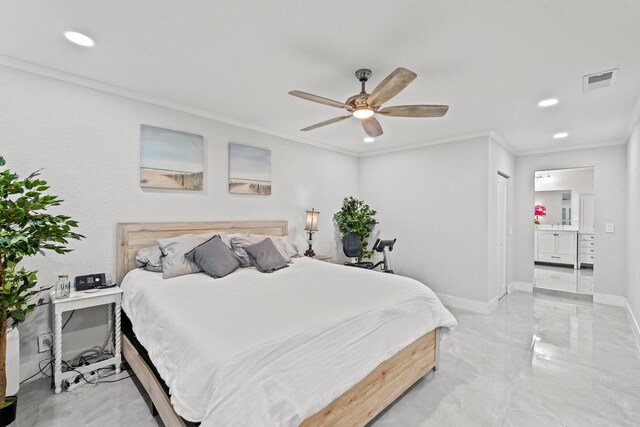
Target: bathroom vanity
558 246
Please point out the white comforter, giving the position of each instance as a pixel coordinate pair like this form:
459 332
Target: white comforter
255 349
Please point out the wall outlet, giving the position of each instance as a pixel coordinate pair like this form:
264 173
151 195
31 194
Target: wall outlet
44 342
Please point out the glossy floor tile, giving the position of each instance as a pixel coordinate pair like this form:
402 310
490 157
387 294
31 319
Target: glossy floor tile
535 361
564 279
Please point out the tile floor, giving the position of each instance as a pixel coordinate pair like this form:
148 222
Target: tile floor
564 279
537 360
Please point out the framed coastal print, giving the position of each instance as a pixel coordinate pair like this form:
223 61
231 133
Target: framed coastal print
249 170
171 159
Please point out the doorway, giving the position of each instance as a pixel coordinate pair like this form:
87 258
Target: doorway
502 212
564 242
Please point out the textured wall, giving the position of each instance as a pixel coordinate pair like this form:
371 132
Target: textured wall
434 200
88 143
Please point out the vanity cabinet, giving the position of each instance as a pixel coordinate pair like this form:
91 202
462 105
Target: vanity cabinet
586 249
557 246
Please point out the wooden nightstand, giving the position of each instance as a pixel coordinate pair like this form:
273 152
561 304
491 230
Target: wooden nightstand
77 300
320 257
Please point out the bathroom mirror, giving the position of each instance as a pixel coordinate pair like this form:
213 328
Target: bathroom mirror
557 207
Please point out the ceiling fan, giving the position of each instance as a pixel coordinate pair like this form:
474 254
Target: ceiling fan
365 105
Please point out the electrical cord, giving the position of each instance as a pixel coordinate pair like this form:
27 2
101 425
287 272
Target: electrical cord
70 316
80 359
40 371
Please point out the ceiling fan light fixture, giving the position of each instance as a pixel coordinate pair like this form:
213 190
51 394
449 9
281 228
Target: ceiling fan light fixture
363 113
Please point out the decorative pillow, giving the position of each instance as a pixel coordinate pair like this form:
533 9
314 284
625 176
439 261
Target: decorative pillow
150 259
240 241
265 256
174 263
214 257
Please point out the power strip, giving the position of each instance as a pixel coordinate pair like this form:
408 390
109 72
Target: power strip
79 381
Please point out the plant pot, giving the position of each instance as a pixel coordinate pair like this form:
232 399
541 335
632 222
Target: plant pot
8 411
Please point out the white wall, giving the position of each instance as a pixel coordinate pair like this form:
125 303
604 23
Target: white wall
88 143
632 290
438 202
610 206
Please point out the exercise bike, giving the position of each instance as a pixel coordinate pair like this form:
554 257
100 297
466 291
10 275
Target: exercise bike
353 249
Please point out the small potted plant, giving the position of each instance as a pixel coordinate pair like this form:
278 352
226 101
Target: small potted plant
26 229
357 217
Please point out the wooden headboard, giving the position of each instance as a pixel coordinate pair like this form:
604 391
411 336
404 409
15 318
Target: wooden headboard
134 236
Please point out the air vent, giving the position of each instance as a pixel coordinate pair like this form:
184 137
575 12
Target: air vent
600 80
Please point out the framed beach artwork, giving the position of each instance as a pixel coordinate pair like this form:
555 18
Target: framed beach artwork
249 170
170 159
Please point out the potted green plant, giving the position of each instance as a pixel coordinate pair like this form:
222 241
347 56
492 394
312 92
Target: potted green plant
26 229
356 217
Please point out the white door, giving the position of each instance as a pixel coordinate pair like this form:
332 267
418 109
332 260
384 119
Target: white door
502 221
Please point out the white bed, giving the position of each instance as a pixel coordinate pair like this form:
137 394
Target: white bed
273 349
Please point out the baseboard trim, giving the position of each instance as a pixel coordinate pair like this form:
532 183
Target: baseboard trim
608 299
633 321
27 369
520 286
468 304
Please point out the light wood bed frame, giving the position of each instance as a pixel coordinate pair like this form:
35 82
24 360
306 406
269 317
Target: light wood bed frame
355 407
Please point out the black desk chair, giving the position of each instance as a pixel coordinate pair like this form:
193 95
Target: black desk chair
353 249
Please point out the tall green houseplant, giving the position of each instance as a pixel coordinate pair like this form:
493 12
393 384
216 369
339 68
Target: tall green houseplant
356 217
26 229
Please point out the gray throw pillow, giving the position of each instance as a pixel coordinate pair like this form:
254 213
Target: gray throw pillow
265 256
150 259
214 257
240 241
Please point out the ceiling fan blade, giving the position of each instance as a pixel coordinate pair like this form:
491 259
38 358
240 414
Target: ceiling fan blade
391 86
319 99
415 110
326 122
372 127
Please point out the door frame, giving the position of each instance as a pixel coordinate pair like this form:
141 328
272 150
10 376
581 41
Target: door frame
502 235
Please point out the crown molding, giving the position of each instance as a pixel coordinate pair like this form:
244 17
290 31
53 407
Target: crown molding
570 148
500 140
426 144
29 67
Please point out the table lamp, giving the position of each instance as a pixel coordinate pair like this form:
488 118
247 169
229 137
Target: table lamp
311 227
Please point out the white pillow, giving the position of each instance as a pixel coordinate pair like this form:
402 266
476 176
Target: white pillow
292 250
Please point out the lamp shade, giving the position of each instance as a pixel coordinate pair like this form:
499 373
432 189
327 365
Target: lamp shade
540 210
312 220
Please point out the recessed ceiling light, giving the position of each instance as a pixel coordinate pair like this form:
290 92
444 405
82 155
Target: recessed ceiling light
547 102
368 139
560 135
79 38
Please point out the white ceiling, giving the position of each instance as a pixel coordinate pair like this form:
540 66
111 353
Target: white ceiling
491 61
